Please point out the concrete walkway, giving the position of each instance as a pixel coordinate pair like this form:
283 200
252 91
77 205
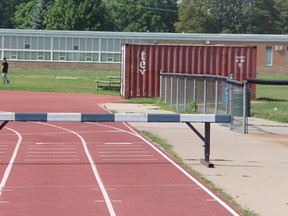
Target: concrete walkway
253 169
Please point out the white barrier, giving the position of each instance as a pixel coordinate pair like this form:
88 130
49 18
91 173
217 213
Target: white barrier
124 117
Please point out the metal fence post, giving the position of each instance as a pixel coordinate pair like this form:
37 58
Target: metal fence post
216 95
245 111
231 100
205 95
161 86
195 89
165 89
185 93
177 93
172 90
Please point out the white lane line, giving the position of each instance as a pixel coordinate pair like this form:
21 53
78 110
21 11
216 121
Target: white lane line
9 167
126 155
136 134
128 159
53 156
121 152
118 143
99 145
47 143
4 202
227 207
117 148
35 148
62 152
93 166
47 159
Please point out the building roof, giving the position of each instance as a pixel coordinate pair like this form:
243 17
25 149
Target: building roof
149 35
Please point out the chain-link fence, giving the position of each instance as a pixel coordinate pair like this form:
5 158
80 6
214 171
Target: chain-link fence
206 94
269 107
256 106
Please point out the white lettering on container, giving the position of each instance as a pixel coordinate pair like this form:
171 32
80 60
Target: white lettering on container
142 65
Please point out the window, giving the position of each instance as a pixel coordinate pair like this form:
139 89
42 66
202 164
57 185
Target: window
13 55
20 55
27 46
13 42
76 47
116 57
47 56
34 55
268 57
95 56
88 57
40 56
76 56
62 56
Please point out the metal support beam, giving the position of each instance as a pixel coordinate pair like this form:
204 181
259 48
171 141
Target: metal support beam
206 140
3 124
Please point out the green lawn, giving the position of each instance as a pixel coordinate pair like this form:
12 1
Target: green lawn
58 81
271 100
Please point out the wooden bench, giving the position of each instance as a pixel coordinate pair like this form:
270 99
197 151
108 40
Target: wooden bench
113 78
107 84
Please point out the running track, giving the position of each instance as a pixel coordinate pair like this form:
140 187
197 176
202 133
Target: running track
89 168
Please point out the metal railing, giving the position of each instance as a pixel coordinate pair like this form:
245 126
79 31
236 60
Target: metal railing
257 106
207 94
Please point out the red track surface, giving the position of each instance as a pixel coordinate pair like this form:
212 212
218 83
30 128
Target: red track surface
89 168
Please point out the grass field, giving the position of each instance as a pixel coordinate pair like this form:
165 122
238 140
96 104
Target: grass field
271 101
58 81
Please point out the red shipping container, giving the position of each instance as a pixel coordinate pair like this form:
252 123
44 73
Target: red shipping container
141 64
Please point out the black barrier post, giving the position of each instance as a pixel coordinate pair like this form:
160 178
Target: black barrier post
206 140
206 160
3 124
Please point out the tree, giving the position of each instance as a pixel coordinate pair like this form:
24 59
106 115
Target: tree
93 16
228 16
8 8
142 16
261 17
77 15
194 18
23 15
282 23
38 14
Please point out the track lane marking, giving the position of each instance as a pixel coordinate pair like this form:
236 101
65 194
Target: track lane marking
136 134
108 202
227 207
11 162
51 152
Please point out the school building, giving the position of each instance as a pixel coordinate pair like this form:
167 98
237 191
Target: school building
89 50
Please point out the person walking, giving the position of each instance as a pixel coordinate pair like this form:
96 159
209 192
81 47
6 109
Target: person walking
5 67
